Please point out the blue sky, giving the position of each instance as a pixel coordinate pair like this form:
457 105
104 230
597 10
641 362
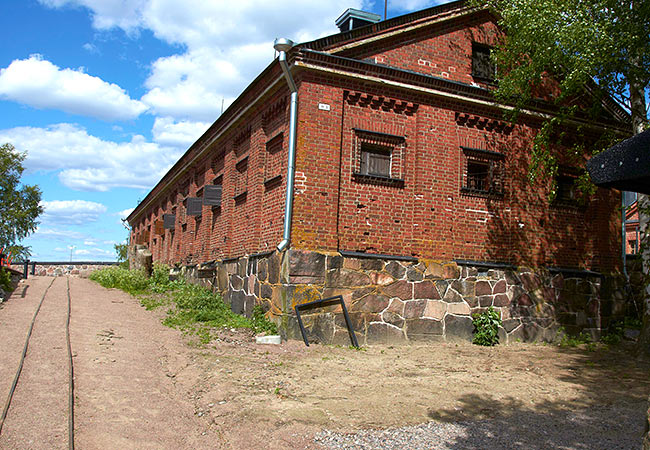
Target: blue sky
105 95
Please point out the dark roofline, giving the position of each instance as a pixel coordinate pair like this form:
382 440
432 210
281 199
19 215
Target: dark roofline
418 79
377 28
219 125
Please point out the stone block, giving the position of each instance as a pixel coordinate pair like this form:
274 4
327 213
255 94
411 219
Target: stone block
501 300
460 309
524 300
345 293
458 328
307 266
242 265
383 333
236 283
434 270
483 288
249 304
263 269
452 296
346 278
238 302
274 268
424 330
401 289
464 288
531 281
342 337
352 263
512 278
414 309
451 271
527 332
266 290
442 287
413 274
435 309
362 292
426 290
381 278
371 264
371 303
485 301
393 319
396 306
334 262
511 324
396 270
499 287
357 320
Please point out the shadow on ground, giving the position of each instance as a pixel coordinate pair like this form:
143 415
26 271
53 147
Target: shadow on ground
608 414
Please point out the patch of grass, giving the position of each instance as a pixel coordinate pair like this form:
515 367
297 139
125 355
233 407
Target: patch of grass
132 281
568 340
193 309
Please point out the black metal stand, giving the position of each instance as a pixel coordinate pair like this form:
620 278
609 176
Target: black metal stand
325 302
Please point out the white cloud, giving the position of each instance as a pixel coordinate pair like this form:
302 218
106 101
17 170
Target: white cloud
227 43
413 5
77 212
167 131
57 234
88 163
125 213
107 14
39 83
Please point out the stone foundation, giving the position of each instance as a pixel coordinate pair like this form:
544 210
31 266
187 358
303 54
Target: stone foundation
393 299
61 269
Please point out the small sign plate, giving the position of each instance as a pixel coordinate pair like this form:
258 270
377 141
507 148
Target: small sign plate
323 106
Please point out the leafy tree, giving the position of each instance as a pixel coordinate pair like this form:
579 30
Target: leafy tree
122 252
19 204
600 48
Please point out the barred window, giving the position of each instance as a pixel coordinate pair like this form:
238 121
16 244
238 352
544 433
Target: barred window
482 66
378 156
483 172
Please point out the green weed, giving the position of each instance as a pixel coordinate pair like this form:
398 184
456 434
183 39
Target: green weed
486 328
193 309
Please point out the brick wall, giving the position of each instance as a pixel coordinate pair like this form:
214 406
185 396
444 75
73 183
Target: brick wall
425 213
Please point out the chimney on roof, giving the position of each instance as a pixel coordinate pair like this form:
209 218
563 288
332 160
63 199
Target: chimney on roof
354 18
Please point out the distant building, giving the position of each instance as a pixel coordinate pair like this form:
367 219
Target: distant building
411 193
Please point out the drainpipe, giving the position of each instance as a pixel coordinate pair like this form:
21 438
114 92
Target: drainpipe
283 46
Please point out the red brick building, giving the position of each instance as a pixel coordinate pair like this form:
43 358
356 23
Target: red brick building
410 193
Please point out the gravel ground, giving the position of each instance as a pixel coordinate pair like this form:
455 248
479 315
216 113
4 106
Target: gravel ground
596 428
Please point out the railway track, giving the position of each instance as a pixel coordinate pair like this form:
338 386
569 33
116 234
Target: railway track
47 339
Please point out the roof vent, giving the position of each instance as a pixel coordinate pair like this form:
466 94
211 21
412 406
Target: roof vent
354 18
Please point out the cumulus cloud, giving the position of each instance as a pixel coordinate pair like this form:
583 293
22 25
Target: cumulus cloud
71 212
88 163
107 14
57 234
413 5
39 83
227 43
167 131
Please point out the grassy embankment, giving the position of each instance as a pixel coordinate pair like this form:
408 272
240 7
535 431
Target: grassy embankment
195 310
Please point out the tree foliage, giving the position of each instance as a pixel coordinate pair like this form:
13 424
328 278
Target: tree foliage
593 49
19 204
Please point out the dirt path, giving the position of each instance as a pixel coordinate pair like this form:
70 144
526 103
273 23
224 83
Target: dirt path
140 385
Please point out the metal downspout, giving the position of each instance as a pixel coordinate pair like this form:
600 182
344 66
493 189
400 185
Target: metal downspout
282 46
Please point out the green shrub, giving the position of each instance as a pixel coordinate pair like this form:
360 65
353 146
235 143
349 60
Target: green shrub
5 280
194 309
486 327
131 281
